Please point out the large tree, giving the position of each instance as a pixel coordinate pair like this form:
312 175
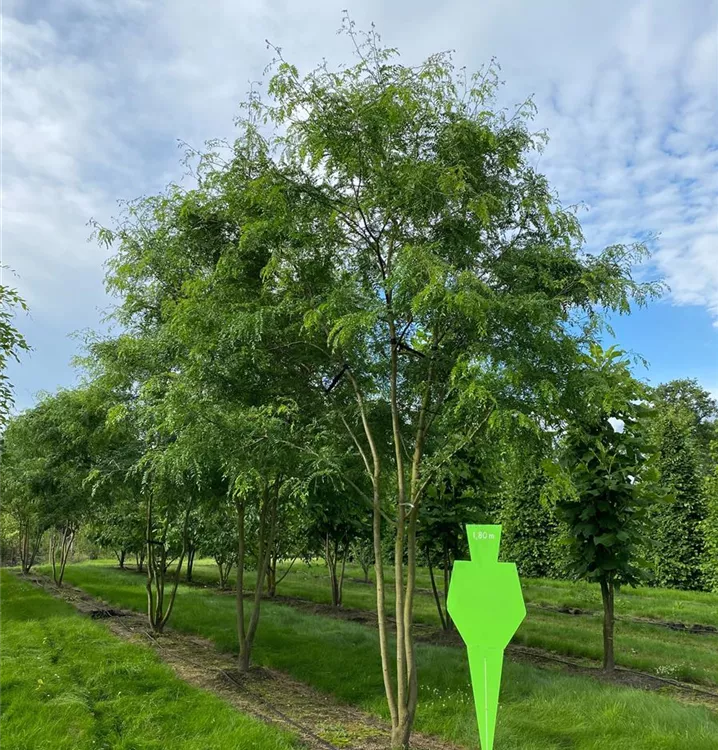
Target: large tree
388 260
418 247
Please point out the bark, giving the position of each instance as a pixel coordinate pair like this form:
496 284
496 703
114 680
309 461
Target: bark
272 574
435 591
190 561
157 566
607 594
267 531
121 558
65 537
224 567
336 579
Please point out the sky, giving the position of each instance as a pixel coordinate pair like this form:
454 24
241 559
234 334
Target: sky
96 95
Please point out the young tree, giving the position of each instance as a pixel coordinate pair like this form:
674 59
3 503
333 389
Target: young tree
613 478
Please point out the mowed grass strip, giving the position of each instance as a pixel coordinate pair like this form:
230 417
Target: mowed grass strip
66 682
650 648
541 709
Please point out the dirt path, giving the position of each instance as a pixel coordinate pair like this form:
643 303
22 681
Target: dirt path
426 633
317 719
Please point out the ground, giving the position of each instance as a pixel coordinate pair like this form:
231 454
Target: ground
319 681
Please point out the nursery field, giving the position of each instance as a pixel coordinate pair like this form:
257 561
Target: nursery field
663 631
102 689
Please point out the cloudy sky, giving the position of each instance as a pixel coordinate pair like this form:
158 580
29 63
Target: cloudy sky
96 94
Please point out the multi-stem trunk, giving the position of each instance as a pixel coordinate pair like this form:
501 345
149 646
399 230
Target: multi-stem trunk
65 538
607 594
29 544
157 567
336 574
224 567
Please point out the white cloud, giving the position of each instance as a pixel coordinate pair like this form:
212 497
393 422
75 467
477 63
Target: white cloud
96 92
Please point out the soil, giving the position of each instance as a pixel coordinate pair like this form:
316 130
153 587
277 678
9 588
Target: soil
320 722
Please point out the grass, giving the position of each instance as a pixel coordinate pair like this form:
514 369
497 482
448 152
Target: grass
67 683
540 709
642 646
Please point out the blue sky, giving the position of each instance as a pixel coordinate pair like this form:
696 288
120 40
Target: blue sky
97 92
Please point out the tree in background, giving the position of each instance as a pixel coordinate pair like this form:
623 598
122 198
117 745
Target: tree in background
685 427
12 342
710 524
457 497
21 481
612 478
676 531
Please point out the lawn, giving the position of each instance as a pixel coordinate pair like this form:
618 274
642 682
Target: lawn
644 646
67 683
541 709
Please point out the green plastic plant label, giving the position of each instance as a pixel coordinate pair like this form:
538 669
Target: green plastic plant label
486 603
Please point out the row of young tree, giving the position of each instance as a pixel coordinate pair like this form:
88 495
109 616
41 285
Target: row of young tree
369 323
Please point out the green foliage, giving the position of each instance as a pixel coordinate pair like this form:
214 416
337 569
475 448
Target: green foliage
12 342
531 534
675 527
611 472
710 524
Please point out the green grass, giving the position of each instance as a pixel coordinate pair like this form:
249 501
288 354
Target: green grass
67 683
643 646
540 709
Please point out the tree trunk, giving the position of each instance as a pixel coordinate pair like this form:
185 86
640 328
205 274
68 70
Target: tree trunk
29 544
272 574
267 530
607 594
121 558
435 591
330 556
190 561
157 565
68 537
448 567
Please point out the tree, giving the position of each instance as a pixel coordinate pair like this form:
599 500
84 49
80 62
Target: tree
678 541
21 477
12 342
687 396
710 524
335 519
612 476
418 248
363 264
455 498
